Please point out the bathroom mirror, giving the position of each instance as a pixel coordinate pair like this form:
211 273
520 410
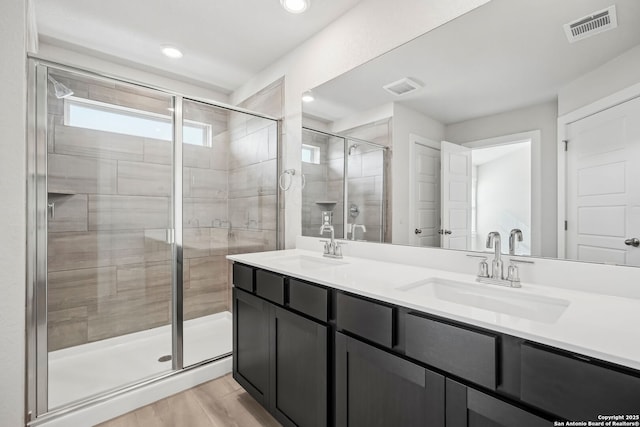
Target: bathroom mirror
475 113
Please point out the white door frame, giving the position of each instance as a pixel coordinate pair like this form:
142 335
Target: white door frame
536 177
595 107
426 142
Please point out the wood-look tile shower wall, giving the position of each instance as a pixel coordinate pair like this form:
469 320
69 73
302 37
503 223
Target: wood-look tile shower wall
108 261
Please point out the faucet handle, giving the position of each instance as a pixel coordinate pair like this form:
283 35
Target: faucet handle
327 246
337 250
483 268
513 274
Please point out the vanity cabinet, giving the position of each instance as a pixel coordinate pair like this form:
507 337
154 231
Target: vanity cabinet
316 356
376 388
280 357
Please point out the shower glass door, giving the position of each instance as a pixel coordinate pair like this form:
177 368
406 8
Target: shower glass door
109 177
229 195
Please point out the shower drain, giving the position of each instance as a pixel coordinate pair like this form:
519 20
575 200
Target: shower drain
165 358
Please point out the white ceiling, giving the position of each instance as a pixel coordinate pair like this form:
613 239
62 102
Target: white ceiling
225 42
504 55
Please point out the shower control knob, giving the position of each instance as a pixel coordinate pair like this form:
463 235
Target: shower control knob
635 242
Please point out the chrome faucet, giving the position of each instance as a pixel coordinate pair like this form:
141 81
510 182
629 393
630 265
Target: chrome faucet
493 239
496 276
354 227
516 234
332 248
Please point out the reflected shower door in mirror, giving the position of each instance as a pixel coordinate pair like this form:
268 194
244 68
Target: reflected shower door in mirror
551 73
345 179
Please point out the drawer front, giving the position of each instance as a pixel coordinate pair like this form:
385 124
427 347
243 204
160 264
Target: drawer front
468 354
243 277
575 389
270 286
365 318
309 299
481 407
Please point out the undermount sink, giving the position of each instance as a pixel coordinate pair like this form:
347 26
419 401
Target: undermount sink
307 262
512 302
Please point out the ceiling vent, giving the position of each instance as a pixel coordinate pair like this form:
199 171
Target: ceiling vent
590 25
402 87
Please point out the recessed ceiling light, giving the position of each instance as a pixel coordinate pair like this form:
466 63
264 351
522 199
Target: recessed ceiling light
295 6
307 96
171 52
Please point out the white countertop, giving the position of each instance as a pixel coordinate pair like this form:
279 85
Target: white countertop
600 326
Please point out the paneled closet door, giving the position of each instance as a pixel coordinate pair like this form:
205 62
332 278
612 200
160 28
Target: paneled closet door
603 186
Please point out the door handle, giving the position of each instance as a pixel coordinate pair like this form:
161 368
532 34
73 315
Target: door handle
447 232
635 242
52 209
418 231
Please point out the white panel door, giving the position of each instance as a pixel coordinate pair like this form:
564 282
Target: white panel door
603 186
425 201
456 196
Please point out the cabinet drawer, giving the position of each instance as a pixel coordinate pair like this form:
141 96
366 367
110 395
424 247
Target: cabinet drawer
308 299
365 318
575 389
270 286
467 407
243 277
471 355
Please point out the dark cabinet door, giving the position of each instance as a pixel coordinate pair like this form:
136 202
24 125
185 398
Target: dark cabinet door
251 344
377 389
298 391
467 407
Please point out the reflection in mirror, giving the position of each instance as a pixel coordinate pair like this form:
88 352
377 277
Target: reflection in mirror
476 144
337 189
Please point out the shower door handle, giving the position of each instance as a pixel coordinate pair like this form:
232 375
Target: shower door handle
51 207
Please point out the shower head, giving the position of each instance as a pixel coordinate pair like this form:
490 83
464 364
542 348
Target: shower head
59 90
352 149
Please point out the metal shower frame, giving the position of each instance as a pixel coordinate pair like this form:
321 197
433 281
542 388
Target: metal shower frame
37 410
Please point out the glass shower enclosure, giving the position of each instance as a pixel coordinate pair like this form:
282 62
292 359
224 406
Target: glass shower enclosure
136 195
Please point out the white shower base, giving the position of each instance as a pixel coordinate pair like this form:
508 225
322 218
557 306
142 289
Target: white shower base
86 370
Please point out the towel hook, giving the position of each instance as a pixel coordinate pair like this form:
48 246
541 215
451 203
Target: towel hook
290 173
